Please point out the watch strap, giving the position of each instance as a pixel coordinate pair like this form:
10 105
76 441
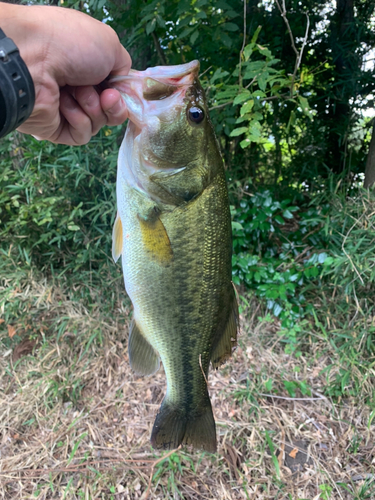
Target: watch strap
17 93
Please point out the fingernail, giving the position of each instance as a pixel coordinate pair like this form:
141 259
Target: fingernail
116 108
92 99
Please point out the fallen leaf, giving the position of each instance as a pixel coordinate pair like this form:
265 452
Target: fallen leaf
23 349
232 457
293 453
11 331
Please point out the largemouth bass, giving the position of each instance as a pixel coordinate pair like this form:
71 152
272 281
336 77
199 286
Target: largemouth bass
173 231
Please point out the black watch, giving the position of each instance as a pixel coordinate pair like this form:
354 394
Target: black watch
17 93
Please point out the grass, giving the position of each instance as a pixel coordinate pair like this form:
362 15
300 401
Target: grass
75 421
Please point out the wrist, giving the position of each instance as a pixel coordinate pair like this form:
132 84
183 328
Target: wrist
22 24
17 94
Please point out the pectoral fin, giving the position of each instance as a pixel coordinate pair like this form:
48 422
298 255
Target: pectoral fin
142 356
228 339
117 239
155 238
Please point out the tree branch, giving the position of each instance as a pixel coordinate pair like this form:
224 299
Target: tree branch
370 163
158 49
243 44
269 98
298 53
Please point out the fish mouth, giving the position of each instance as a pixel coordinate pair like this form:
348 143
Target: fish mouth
176 74
153 89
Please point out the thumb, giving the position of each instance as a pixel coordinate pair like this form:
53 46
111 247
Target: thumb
122 62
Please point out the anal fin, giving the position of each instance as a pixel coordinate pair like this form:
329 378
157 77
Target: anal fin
142 356
228 339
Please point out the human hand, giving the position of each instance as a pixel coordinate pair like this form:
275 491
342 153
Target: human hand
67 53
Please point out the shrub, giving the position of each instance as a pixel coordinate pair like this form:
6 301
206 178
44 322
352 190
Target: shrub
57 203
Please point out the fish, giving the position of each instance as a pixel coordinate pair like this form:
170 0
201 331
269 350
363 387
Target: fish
173 233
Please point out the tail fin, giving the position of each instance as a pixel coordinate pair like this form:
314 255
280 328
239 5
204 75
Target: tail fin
173 426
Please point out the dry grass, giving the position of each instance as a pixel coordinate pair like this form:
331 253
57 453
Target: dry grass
75 421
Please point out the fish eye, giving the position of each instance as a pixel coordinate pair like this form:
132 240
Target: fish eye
195 114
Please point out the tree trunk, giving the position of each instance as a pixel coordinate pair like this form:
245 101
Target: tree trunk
370 163
346 68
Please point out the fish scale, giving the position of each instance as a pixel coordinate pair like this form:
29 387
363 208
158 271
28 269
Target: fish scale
173 232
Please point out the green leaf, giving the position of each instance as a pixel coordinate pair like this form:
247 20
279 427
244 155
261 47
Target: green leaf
255 130
238 131
272 294
236 280
259 93
314 271
231 14
268 385
241 97
186 20
227 40
247 107
73 227
187 32
287 214
272 450
262 80
245 143
75 447
150 27
291 121
230 27
264 51
291 388
248 50
277 309
305 106
322 257
183 7
219 73
160 21
201 15
279 219
194 37
222 5
236 225
256 34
